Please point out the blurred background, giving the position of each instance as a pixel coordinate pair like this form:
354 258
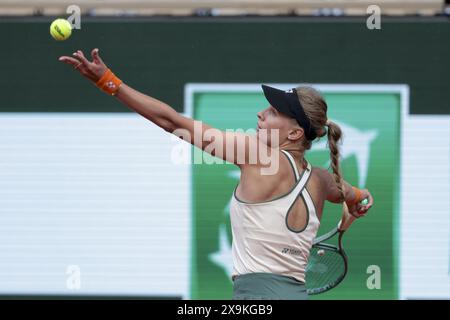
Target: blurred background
96 201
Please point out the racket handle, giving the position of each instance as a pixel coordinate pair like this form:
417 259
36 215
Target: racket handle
347 218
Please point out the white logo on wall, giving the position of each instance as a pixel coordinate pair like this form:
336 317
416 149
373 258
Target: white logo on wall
356 142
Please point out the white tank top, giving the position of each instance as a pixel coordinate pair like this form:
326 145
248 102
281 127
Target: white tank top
262 241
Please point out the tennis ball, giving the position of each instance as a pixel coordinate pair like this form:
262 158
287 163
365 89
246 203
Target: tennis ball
321 252
364 202
60 29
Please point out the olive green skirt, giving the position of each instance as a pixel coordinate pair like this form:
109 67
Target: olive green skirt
268 286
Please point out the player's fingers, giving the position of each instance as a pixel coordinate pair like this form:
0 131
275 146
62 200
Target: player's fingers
369 198
71 61
362 210
96 56
68 60
79 54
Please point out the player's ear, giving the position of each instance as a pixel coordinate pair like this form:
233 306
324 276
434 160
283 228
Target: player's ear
296 133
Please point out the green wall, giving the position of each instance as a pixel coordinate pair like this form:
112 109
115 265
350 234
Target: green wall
160 55
365 245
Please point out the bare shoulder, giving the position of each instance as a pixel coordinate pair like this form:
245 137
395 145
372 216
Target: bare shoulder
329 187
257 154
318 176
322 178
320 173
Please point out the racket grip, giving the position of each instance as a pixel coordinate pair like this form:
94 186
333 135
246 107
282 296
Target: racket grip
364 201
347 218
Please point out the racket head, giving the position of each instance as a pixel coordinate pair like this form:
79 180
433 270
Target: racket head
327 270
327 264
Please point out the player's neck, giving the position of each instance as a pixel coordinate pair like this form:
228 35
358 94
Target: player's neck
296 153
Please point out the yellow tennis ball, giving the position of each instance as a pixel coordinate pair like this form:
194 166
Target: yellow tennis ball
60 29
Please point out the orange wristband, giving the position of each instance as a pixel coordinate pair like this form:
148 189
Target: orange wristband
109 83
358 195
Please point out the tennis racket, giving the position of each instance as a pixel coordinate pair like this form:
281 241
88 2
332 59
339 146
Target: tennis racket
328 264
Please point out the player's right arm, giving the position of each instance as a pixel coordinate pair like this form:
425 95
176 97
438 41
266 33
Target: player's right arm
333 194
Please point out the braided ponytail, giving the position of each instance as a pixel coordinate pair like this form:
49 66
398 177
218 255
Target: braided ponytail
334 137
315 109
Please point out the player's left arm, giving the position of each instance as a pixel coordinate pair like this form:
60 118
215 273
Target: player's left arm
158 112
224 145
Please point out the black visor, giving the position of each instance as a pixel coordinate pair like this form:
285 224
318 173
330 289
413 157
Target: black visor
287 102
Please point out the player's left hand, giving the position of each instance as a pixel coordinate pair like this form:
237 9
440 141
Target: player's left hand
90 70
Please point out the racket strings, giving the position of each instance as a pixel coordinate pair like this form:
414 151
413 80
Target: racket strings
324 269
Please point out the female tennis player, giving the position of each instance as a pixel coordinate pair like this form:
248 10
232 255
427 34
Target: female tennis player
275 216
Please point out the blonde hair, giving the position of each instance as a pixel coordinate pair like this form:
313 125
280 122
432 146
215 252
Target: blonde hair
315 109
